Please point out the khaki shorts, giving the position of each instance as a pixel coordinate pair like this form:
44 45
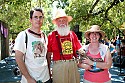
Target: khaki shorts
65 71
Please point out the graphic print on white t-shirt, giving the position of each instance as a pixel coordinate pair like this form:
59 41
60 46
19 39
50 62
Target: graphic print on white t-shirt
38 49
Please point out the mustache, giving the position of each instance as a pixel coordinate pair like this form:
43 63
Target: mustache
62 26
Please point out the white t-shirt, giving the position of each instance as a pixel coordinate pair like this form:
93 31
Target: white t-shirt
35 58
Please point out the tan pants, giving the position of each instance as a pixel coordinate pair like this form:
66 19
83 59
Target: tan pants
65 72
86 81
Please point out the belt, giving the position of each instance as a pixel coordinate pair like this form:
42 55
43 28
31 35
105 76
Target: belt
96 71
39 81
49 81
64 60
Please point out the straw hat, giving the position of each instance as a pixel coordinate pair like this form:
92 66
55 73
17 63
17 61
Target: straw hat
94 28
61 13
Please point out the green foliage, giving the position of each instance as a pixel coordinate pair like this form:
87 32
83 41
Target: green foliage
109 14
16 14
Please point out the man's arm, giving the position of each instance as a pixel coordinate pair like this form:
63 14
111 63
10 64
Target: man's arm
21 64
49 61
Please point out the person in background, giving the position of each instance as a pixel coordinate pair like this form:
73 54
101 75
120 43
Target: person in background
31 55
110 45
123 47
98 57
113 41
63 44
118 44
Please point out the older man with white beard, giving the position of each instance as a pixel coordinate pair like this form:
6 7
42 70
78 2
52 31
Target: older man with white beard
63 44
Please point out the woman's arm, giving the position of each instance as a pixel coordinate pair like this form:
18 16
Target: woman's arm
108 61
103 65
84 66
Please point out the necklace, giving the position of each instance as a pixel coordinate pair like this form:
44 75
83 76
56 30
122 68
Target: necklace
34 32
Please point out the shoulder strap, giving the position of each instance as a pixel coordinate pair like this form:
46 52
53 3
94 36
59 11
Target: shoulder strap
26 39
72 38
58 41
59 44
44 37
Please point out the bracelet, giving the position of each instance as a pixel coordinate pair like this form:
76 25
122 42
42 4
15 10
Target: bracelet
94 64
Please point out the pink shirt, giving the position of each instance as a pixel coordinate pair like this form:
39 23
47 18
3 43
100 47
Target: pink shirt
99 77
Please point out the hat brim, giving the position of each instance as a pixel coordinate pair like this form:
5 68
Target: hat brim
68 17
99 31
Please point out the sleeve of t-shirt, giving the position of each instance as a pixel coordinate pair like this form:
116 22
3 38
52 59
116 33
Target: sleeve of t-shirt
76 41
20 42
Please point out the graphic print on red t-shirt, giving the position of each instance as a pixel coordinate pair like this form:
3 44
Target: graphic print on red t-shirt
66 44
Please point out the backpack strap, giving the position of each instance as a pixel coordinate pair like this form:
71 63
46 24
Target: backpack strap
26 39
44 37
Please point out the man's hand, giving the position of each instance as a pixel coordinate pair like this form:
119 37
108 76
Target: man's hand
31 80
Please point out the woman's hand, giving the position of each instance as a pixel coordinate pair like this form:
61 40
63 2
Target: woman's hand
87 61
85 66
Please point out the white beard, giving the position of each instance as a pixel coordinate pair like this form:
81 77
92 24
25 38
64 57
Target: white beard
63 30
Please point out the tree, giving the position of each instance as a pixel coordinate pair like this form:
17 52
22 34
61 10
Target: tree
109 14
16 14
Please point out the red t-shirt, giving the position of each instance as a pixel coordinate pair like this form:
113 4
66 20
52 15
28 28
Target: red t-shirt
69 44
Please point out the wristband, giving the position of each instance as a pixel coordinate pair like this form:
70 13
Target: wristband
94 64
